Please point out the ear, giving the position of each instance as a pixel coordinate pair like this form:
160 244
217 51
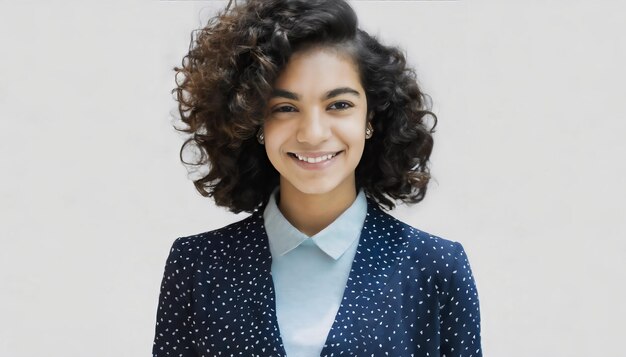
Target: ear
370 116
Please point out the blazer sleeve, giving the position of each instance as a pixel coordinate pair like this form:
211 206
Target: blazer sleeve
460 314
173 332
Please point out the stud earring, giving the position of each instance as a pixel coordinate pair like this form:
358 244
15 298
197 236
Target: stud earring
369 131
260 137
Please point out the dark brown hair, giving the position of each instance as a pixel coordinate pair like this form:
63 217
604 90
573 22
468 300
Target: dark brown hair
226 79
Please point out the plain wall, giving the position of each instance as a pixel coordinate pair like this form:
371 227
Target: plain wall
528 166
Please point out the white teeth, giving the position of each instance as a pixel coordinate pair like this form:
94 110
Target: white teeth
314 160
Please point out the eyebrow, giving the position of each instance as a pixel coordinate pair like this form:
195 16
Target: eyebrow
330 94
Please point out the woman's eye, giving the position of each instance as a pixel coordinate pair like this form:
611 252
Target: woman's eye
340 105
284 109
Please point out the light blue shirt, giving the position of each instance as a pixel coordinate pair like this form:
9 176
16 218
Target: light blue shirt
310 274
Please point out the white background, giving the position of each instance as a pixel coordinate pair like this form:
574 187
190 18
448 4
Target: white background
528 166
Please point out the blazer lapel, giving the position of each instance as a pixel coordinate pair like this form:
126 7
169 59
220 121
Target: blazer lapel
262 301
380 248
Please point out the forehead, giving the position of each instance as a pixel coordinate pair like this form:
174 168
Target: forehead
318 69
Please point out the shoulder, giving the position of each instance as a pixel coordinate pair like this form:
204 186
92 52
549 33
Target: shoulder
217 243
433 254
428 244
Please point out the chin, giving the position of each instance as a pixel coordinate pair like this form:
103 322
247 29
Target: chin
314 185
334 186
315 190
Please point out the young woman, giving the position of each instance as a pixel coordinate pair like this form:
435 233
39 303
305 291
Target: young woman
314 127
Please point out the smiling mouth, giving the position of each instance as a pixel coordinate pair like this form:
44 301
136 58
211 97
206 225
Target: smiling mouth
314 160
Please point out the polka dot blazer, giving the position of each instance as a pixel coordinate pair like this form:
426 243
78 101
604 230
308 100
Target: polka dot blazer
408 294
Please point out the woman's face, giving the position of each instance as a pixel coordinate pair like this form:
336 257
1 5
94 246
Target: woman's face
315 123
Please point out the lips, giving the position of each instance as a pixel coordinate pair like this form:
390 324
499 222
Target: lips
314 160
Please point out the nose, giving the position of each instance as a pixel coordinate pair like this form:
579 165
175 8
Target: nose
313 128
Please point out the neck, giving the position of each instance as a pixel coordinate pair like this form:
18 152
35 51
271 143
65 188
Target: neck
311 213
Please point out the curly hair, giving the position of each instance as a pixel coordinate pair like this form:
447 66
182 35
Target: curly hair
226 79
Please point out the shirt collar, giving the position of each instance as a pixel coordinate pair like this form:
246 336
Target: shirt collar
333 240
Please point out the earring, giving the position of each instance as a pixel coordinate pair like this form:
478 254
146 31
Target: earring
260 136
369 131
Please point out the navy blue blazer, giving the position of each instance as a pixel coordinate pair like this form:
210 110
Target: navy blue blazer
408 293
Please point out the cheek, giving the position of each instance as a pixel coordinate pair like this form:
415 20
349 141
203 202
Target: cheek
269 131
353 131
354 136
275 136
